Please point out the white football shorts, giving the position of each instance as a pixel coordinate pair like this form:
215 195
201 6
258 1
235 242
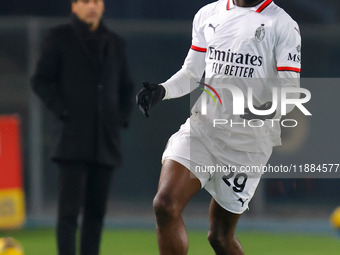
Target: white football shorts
230 176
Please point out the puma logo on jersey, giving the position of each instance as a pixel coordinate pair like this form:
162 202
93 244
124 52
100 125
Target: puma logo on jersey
213 27
242 202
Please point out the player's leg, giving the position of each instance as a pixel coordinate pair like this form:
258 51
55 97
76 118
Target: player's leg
233 190
176 187
221 234
96 196
72 180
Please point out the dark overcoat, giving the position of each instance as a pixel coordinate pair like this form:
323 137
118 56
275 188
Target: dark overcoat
83 78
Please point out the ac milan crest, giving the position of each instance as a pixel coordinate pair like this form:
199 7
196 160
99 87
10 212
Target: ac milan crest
260 33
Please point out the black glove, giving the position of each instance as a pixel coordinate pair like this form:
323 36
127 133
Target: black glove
148 96
251 116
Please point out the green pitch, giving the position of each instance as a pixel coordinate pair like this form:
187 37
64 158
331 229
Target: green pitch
143 242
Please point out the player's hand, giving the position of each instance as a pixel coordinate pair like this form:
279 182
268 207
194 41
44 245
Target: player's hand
148 96
248 115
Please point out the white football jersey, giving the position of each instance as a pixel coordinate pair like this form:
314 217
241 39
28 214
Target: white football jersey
246 47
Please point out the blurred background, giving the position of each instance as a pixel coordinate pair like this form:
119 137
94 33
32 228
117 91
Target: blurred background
158 36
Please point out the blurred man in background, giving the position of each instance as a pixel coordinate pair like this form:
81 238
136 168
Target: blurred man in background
82 77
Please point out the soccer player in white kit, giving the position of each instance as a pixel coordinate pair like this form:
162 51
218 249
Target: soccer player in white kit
243 40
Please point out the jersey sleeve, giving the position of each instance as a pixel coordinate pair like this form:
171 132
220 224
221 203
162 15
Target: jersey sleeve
288 47
288 59
198 40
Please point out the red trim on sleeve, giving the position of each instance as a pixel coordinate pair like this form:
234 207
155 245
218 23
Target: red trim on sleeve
263 6
198 48
228 5
287 68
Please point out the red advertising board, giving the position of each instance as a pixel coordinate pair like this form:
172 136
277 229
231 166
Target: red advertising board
12 205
